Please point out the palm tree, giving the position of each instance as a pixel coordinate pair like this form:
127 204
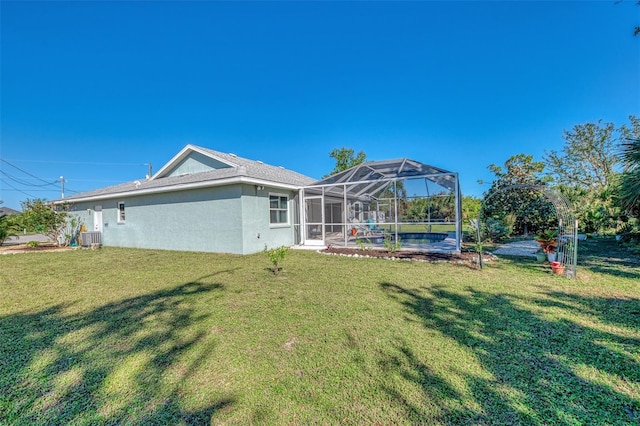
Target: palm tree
630 180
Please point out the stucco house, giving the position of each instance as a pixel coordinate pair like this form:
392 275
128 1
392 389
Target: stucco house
201 200
205 200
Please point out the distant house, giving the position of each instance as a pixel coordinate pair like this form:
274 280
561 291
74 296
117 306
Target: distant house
201 200
6 211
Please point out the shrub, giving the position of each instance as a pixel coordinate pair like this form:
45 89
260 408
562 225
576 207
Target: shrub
496 231
42 217
6 228
362 244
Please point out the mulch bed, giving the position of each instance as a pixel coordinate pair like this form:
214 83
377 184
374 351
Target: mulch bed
465 257
23 248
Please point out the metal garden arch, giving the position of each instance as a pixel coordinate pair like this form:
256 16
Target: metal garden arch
567 251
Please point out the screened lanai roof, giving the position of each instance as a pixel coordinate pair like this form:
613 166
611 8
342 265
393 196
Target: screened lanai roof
372 176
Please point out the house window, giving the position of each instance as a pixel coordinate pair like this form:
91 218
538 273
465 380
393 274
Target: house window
278 209
121 212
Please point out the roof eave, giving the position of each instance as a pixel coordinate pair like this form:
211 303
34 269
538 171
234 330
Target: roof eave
181 187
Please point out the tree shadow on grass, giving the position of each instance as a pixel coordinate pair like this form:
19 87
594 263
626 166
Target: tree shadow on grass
540 370
120 363
607 256
435 389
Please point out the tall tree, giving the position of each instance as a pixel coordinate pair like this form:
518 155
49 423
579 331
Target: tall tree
588 159
345 159
531 210
636 30
470 207
629 196
586 171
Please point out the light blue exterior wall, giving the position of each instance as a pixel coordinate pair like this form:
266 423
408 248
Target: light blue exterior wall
257 231
226 219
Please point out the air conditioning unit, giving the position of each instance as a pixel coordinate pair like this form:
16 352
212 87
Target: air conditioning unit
89 238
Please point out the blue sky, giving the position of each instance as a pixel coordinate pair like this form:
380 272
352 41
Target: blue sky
92 91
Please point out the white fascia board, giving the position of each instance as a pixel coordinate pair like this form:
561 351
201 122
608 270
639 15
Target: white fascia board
184 152
176 158
180 187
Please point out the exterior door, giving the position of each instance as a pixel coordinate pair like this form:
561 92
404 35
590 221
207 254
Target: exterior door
97 218
313 221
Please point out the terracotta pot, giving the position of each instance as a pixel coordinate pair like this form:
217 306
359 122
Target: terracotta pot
557 268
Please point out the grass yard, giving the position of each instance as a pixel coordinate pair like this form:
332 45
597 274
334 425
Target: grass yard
157 337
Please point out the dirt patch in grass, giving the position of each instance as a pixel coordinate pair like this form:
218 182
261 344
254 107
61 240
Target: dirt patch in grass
465 257
24 248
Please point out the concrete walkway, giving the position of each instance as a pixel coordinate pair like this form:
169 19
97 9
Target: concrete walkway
527 248
22 239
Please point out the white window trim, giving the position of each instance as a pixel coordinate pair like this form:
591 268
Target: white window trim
280 224
120 220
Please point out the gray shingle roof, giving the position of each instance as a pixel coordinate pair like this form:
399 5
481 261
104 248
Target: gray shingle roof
260 170
8 211
241 168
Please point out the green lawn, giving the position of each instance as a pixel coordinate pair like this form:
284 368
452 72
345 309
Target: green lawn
140 336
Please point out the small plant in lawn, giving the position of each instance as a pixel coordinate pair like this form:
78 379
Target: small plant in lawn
476 237
32 244
276 255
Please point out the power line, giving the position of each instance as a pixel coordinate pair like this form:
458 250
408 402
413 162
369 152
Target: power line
23 171
27 183
32 190
21 182
47 183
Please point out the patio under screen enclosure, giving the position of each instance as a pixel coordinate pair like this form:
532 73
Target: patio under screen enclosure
403 203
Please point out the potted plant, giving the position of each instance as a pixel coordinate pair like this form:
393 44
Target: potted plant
541 256
557 268
548 241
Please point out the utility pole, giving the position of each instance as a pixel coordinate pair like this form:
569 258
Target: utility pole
150 171
62 182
